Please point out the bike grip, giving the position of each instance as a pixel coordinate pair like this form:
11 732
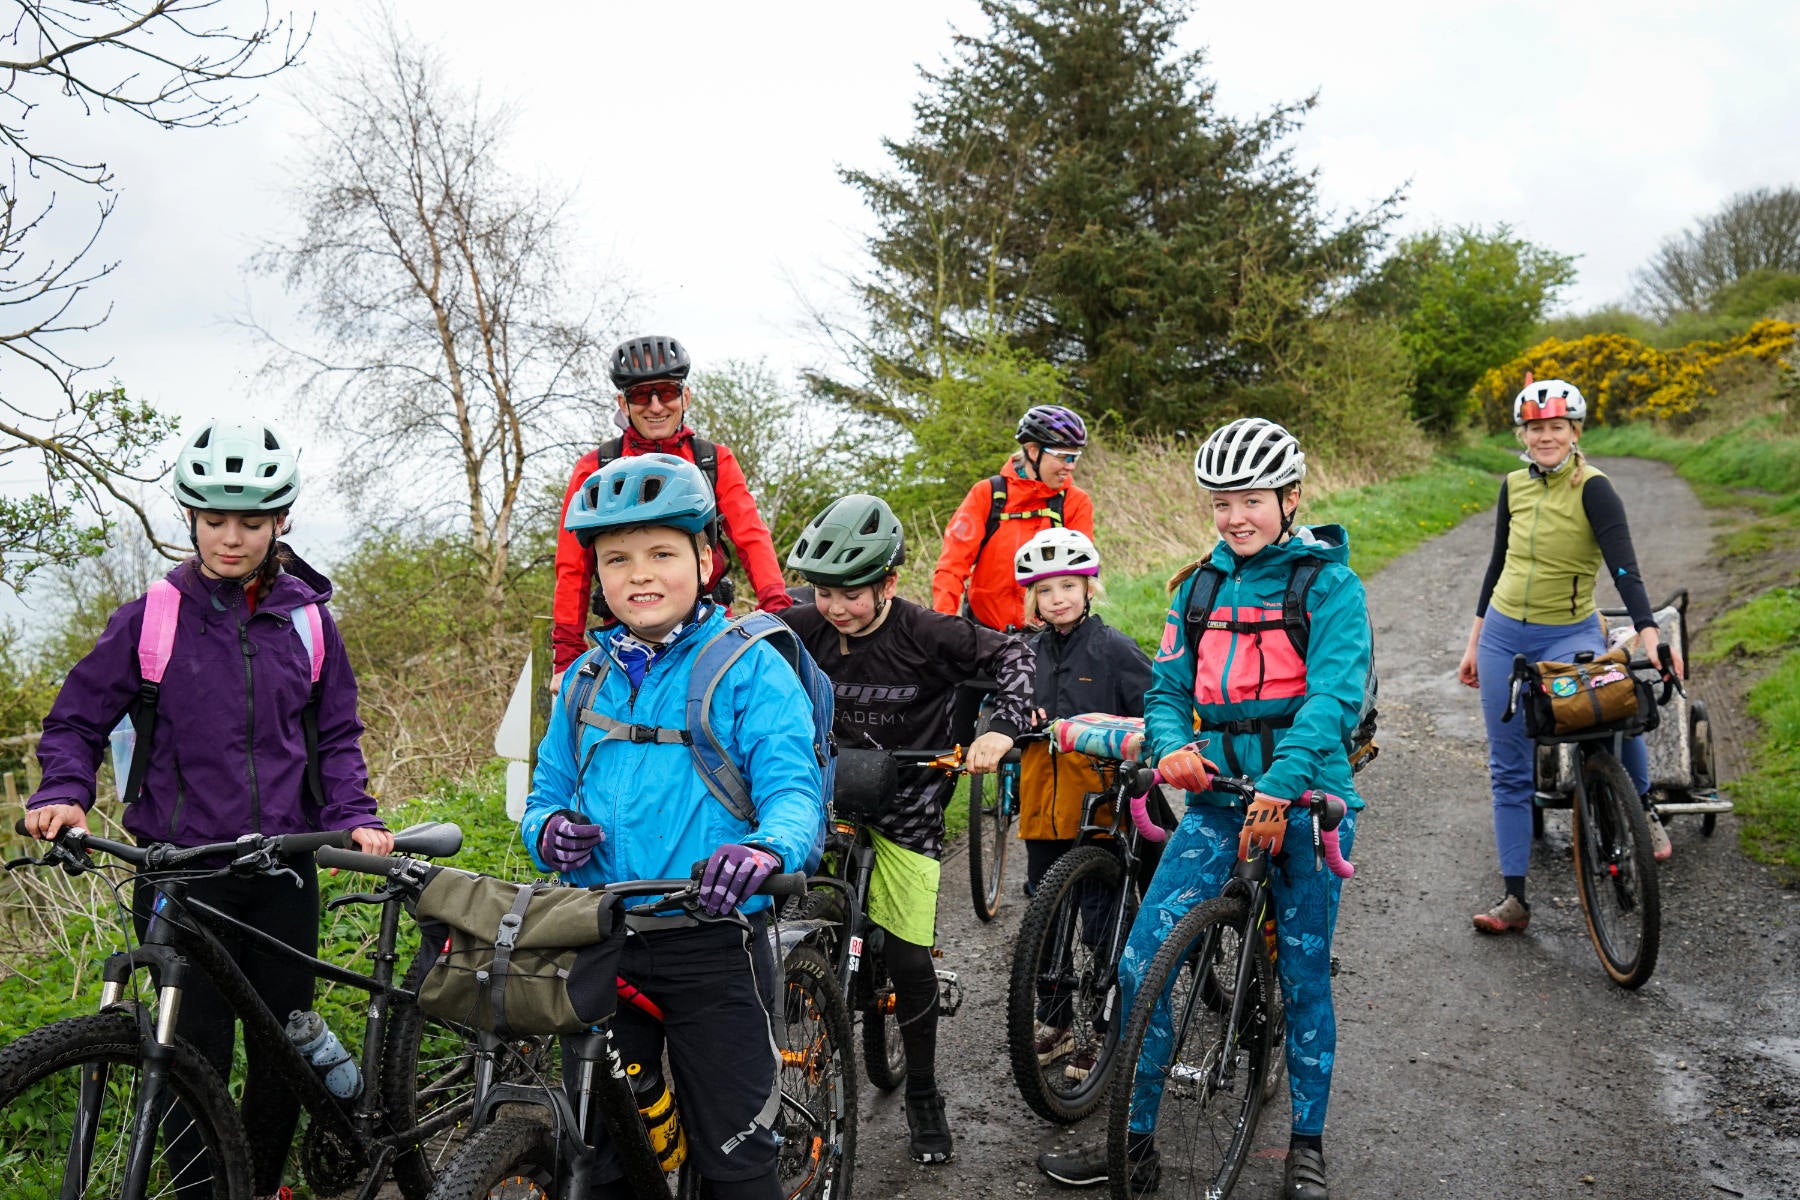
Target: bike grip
1334 854
306 843
356 860
19 827
789 883
1140 816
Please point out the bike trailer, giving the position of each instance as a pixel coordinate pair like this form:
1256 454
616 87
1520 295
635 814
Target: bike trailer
1682 776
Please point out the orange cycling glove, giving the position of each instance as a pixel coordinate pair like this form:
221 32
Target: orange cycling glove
1264 825
1187 769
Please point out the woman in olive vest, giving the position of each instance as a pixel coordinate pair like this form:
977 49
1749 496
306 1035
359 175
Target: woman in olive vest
1559 520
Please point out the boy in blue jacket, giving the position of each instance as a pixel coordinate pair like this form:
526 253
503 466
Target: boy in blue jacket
604 809
1280 718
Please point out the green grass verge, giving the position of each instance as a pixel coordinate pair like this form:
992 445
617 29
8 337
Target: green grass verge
1384 521
1765 795
1755 466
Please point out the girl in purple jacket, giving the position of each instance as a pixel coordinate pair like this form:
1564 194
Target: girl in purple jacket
228 755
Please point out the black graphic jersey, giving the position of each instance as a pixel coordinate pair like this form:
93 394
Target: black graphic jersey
894 689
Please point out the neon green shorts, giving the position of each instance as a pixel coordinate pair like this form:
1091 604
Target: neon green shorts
903 892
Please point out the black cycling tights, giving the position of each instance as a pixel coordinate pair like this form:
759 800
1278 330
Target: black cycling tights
916 1007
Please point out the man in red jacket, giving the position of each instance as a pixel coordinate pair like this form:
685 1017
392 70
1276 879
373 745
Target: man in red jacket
653 401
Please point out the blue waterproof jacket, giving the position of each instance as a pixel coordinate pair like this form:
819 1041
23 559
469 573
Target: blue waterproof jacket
1235 676
229 753
659 818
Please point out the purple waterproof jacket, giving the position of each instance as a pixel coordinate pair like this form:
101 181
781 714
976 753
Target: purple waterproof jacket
229 753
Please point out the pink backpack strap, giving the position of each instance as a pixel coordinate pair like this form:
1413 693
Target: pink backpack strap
310 625
157 637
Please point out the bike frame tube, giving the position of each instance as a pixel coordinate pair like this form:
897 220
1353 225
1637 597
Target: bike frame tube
171 948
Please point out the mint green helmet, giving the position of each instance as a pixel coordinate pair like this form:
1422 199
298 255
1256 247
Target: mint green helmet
856 540
237 466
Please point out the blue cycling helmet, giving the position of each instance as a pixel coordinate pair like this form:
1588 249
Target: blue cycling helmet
641 489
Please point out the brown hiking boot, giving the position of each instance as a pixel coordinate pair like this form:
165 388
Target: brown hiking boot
1508 916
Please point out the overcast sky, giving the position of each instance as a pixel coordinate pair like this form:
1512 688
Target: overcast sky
701 143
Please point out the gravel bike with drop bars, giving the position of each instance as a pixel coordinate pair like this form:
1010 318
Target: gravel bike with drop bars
1213 981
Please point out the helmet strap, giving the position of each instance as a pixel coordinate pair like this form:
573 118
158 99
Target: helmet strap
1033 463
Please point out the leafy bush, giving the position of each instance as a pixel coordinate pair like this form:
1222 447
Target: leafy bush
1464 299
1624 379
435 661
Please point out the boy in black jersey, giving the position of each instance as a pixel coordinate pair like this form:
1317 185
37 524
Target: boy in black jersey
895 667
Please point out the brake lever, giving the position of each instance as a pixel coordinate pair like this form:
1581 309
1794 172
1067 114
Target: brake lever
337 902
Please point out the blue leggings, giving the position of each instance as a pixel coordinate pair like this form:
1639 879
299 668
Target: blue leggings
1509 750
1195 865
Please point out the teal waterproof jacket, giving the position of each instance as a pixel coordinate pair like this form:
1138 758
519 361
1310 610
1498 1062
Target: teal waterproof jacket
1236 676
659 819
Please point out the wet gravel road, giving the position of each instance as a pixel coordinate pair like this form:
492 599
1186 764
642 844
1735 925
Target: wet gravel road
1467 1066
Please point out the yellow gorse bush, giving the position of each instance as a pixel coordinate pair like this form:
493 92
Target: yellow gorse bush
1625 380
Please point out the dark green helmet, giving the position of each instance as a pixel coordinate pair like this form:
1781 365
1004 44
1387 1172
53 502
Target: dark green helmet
856 540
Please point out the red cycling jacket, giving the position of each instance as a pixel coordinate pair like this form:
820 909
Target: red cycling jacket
743 527
995 598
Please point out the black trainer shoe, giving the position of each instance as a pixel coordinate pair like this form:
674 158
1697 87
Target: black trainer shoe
1304 1178
931 1140
1087 1167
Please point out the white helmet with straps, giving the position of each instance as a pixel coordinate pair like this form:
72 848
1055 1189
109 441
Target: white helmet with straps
1551 398
1056 551
1249 453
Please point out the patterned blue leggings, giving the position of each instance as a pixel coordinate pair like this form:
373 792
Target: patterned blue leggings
1195 865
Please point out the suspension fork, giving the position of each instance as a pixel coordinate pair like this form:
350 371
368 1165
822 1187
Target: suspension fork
169 968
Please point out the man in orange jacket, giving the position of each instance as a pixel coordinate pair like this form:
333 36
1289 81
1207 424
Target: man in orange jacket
1034 491
653 400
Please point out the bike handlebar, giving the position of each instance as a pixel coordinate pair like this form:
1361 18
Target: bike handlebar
1327 810
252 849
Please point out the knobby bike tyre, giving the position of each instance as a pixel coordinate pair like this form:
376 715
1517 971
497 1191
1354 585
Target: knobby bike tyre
989 823
1615 873
41 1077
817 1121
428 1072
1207 1117
1055 968
884 1054
512 1159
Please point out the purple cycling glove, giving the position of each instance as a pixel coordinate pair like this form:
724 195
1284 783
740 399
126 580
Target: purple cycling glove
732 874
565 842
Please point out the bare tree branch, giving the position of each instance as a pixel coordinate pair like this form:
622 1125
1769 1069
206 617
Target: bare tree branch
178 64
437 284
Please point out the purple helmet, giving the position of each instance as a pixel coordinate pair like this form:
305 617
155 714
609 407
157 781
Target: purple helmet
1053 425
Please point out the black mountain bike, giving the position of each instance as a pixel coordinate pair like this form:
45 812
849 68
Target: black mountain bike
1615 874
1065 968
550 1155
1211 993
832 922
114 1104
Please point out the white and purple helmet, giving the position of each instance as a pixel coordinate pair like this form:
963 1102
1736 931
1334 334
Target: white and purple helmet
1052 425
1052 552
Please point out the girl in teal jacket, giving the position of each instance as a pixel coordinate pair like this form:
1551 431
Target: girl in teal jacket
1245 698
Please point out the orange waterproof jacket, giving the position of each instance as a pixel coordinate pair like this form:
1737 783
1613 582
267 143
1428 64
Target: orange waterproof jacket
994 598
742 526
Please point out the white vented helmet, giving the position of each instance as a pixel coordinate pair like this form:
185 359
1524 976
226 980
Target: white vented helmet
237 466
1055 552
1249 453
1551 398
